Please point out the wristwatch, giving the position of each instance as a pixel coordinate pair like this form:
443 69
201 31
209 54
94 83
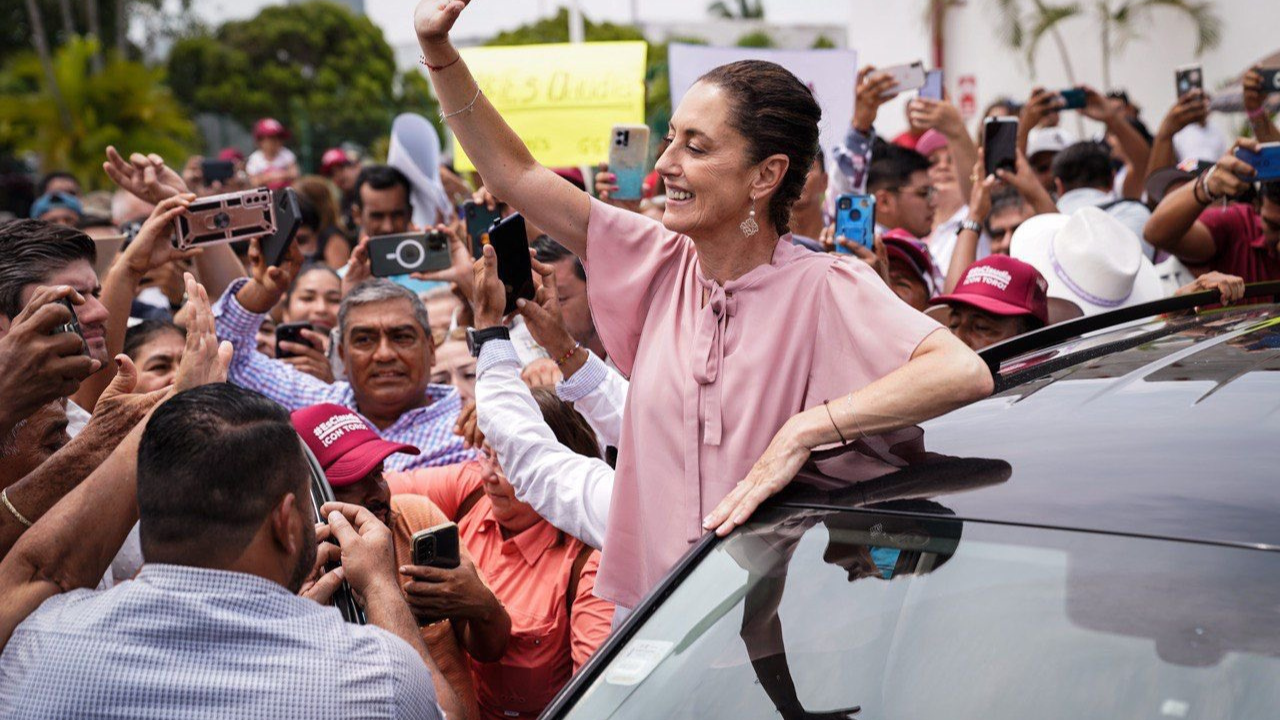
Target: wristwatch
477 338
973 225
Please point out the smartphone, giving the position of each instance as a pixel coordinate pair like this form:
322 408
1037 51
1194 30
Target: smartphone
288 220
227 218
408 253
73 326
437 547
628 153
217 170
1072 98
1266 161
909 77
1270 80
856 221
292 332
514 269
1188 78
932 88
1000 144
479 219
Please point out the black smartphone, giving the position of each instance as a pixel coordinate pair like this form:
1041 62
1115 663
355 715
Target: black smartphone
408 253
1072 98
217 170
479 219
437 547
73 326
288 220
1000 144
292 332
1188 78
1270 80
514 269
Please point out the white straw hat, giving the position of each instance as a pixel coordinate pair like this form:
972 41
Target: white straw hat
1089 258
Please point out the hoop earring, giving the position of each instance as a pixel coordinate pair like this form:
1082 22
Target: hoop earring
749 226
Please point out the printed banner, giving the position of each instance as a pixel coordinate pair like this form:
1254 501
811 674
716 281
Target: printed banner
830 74
562 99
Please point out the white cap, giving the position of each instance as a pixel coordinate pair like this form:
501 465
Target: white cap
1089 258
1048 139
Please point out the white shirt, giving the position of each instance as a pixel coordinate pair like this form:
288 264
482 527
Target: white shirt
258 163
570 491
1202 142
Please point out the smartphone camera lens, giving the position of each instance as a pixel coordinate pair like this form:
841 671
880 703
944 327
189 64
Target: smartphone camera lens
855 215
221 221
428 548
845 203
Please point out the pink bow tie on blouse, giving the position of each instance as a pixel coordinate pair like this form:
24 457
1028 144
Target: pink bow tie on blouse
708 354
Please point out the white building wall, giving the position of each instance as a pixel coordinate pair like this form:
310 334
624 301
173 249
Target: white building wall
897 33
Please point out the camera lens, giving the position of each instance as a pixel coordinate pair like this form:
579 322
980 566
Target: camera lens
855 215
221 220
409 254
845 203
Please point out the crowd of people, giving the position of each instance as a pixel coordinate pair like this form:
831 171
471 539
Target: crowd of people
682 357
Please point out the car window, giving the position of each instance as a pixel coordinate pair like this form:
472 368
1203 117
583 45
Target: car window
813 613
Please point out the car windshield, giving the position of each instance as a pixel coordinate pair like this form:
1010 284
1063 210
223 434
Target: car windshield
812 613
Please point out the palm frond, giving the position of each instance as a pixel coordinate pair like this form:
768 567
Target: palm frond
719 9
1202 14
1044 20
1009 28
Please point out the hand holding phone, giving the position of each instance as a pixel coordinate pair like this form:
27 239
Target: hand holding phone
856 221
1000 144
479 220
292 332
73 326
1270 80
409 253
511 246
628 151
227 218
909 76
1265 162
437 547
1073 98
1188 78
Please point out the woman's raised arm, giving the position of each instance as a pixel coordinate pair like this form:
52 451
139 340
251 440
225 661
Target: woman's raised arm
507 166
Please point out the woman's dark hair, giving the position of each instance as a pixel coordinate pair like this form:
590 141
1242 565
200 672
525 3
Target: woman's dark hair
570 429
777 114
309 267
146 331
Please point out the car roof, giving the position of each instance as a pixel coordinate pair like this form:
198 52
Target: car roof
1165 427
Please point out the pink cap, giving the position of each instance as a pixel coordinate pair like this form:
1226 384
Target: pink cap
901 244
1001 285
269 127
929 142
333 158
347 448
231 154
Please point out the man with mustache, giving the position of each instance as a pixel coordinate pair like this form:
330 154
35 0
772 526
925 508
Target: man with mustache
352 456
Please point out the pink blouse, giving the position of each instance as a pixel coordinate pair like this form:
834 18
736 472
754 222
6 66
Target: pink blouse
711 384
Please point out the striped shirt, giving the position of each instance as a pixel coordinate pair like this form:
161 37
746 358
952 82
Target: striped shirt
429 428
185 642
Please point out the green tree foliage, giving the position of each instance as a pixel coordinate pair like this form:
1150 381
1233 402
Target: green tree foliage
757 39
127 105
742 9
326 73
822 42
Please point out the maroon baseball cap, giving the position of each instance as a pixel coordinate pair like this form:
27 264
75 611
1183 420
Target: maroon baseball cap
332 159
347 448
1002 285
901 244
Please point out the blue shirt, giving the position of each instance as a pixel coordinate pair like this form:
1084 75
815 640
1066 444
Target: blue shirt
183 642
429 428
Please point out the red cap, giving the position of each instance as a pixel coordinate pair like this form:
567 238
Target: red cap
347 448
232 154
1002 285
269 127
333 158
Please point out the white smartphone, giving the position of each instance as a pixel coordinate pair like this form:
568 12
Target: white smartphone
908 77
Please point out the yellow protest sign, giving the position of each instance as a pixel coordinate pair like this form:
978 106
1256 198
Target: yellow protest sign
562 99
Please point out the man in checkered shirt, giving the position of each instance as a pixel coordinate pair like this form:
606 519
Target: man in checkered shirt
386 346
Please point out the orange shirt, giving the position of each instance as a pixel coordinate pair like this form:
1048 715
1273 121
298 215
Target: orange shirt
409 514
530 575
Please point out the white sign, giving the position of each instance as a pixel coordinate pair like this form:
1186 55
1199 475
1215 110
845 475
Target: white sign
830 74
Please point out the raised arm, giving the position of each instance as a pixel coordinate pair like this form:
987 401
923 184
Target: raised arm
1254 95
1191 107
1175 226
507 166
1135 148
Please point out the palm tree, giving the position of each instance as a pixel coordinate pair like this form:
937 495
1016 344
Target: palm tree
746 10
41 42
1121 24
1119 21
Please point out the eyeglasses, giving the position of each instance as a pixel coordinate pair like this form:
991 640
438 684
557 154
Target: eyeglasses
925 193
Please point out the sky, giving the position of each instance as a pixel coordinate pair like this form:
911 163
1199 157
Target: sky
486 17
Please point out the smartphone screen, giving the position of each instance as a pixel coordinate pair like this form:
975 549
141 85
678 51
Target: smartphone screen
1000 144
514 269
932 88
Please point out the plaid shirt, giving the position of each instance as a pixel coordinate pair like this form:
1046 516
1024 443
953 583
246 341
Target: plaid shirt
185 642
429 428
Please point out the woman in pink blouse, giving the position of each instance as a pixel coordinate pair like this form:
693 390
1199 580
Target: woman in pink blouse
744 352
